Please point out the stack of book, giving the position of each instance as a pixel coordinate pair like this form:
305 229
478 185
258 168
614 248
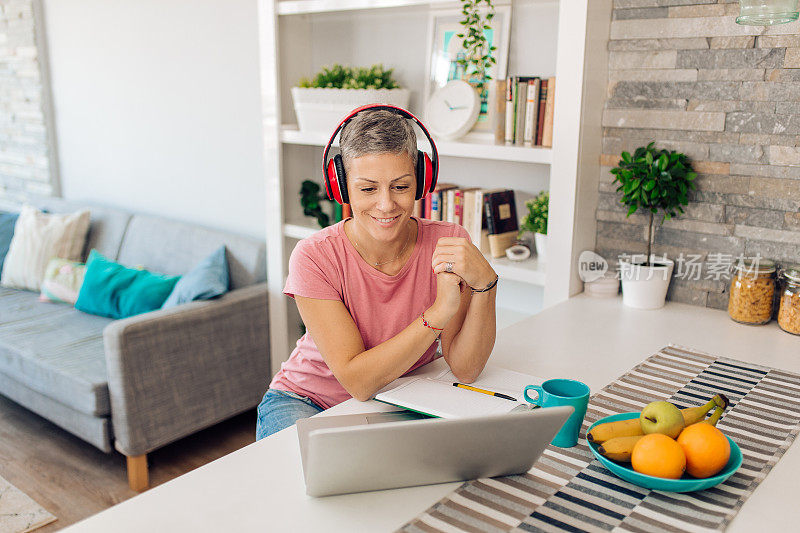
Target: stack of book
529 105
488 215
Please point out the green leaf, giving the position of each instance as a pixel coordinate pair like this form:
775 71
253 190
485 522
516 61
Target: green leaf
631 210
648 186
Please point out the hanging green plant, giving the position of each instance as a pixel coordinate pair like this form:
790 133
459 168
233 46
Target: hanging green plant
478 57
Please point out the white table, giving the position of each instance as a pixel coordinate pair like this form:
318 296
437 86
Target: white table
260 487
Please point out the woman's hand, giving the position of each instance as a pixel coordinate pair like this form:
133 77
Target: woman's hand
464 259
448 298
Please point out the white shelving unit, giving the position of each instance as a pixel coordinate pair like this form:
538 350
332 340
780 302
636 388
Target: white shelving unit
565 38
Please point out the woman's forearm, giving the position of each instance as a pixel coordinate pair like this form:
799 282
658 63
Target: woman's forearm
371 370
472 345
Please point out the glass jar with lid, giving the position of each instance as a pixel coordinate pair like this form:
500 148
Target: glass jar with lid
752 290
789 310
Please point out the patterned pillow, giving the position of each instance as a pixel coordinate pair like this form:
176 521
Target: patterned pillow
62 281
39 237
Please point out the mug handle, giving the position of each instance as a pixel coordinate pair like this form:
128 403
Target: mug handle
534 401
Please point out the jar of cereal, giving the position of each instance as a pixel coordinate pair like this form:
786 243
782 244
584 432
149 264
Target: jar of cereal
789 310
752 290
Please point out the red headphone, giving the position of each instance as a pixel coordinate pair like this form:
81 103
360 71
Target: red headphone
426 172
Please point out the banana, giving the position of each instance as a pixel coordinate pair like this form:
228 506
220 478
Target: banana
618 428
696 414
619 448
715 416
629 428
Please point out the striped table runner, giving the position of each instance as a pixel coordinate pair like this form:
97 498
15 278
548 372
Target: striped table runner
568 490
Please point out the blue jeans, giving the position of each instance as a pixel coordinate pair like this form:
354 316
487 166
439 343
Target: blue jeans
280 409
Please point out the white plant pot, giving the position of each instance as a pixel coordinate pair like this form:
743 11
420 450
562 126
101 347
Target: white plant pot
645 287
321 110
541 246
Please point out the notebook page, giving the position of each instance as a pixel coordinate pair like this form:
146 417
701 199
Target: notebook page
438 397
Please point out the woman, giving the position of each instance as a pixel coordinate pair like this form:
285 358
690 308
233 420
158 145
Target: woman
377 290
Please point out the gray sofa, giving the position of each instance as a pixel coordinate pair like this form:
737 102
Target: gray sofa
142 382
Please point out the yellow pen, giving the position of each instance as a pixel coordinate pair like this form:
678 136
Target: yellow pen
484 391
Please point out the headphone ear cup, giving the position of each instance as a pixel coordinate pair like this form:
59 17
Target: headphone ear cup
341 179
420 175
425 183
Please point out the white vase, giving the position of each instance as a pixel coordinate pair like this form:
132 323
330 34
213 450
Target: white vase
321 110
541 246
645 287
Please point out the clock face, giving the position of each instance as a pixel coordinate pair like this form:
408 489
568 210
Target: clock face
452 110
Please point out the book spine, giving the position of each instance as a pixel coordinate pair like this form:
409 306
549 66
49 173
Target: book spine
487 213
547 134
458 206
428 201
436 206
477 218
468 213
519 110
347 212
499 111
450 206
509 122
337 212
531 112
540 118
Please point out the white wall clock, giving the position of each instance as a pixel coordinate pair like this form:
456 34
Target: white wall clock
452 110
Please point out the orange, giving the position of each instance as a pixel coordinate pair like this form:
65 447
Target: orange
658 455
707 449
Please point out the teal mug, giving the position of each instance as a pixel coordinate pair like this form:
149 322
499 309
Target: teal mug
555 392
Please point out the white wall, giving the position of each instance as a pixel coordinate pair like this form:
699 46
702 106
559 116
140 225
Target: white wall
157 107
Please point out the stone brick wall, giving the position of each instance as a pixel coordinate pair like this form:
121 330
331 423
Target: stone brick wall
682 73
25 155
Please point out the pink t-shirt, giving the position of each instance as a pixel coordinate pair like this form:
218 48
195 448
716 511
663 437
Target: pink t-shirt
327 266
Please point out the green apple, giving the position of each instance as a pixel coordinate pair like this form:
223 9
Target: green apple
661 417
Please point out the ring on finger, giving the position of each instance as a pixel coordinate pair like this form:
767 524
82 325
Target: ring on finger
448 266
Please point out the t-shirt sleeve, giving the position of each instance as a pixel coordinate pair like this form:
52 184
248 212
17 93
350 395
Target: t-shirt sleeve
311 274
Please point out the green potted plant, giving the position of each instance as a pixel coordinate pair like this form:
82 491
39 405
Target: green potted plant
535 221
656 181
321 102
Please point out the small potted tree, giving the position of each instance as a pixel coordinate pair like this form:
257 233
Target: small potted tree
655 181
320 103
535 221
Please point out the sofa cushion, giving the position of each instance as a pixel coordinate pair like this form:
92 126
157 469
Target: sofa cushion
39 237
62 281
113 290
7 223
54 350
174 248
205 281
106 228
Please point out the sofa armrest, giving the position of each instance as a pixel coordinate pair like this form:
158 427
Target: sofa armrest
175 371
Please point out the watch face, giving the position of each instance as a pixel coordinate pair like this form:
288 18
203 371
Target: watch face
452 110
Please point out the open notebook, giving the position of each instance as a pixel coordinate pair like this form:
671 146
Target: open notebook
429 390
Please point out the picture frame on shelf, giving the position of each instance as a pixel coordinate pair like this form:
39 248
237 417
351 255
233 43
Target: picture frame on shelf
444 46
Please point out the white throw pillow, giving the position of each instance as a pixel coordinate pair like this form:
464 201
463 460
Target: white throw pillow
38 238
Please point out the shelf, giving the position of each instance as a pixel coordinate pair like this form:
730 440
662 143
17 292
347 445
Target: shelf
528 271
473 145
301 7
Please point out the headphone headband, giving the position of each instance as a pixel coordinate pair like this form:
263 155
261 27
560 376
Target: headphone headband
396 110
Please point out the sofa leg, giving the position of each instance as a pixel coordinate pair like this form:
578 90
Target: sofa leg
137 473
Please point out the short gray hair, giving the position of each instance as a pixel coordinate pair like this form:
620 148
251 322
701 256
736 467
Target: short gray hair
377 131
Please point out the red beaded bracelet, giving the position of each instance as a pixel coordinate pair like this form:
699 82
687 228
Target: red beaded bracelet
428 324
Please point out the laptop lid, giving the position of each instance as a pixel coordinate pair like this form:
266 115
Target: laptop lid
340 460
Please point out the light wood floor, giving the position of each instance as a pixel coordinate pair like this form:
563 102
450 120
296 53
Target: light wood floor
74 480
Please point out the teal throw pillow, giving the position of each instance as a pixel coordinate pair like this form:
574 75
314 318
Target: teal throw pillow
112 290
209 279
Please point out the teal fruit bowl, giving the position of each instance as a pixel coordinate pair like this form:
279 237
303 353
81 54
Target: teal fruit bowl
684 484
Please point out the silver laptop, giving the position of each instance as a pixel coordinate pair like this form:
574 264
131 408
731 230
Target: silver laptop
354 453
